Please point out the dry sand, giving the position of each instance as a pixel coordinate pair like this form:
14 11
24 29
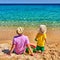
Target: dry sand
52 47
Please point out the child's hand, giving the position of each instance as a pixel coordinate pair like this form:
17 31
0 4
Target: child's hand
9 53
32 54
35 39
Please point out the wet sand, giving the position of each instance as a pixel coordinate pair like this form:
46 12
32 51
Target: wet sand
52 47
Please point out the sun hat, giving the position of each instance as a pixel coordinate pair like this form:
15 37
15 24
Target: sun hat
20 30
42 29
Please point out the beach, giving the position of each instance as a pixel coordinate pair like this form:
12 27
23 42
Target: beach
30 17
52 47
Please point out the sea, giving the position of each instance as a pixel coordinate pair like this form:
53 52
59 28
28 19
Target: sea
29 15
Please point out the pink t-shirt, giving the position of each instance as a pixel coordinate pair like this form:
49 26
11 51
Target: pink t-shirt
20 43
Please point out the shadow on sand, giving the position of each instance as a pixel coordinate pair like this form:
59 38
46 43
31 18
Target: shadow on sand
6 51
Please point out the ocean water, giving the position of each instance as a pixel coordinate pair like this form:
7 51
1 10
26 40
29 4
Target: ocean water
30 15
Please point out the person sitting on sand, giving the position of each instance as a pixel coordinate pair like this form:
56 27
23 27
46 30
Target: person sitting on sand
41 38
20 42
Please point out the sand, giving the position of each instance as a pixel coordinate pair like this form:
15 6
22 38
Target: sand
52 47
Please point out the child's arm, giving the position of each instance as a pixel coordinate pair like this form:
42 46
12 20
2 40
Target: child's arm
12 48
31 52
45 40
45 37
36 37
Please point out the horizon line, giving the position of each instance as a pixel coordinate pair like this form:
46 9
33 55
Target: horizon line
29 3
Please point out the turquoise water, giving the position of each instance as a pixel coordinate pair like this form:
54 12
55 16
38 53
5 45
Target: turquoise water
29 15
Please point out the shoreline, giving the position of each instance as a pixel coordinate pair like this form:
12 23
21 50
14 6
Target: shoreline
7 33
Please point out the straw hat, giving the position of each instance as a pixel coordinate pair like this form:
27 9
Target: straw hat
20 30
42 29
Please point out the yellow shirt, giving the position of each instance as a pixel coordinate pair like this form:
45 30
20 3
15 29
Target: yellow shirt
41 39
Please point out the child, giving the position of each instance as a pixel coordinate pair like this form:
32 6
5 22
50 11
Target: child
41 38
20 42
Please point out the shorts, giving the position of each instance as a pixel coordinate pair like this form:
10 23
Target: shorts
40 48
35 49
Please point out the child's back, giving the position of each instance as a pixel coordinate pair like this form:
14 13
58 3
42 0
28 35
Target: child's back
20 43
41 38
